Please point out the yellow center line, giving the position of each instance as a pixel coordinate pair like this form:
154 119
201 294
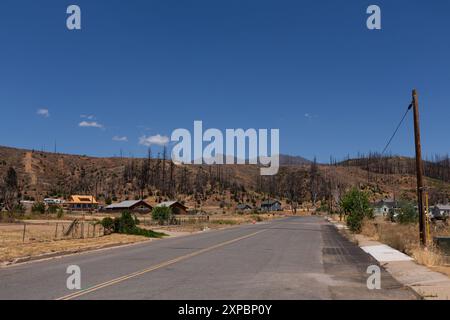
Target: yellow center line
153 268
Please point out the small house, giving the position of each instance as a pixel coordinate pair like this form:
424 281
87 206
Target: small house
136 206
271 205
177 207
242 207
81 203
440 211
384 207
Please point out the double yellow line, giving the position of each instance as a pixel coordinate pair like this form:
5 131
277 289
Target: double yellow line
153 268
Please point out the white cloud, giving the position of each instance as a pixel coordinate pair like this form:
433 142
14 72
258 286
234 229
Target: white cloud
310 116
43 112
151 140
89 117
120 139
90 124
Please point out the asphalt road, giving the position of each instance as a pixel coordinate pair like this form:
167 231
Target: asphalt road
289 258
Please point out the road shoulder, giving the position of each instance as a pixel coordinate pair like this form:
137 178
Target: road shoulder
429 284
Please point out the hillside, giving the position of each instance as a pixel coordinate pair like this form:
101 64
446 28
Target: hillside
42 174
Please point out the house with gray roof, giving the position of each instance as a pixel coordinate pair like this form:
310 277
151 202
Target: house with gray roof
440 212
177 207
271 205
137 206
384 207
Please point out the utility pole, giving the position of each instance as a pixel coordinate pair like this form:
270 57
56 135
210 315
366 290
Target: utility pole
419 171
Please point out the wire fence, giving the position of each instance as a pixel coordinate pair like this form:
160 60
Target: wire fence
51 231
31 232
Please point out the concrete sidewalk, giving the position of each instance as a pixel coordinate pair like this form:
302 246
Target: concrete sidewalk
428 284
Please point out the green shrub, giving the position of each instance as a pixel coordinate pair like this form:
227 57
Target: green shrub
408 213
323 207
19 208
355 204
52 209
161 214
108 224
127 224
38 207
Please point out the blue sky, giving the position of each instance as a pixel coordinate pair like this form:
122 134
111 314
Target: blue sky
144 68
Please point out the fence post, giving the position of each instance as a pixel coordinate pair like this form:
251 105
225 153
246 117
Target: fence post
24 230
56 231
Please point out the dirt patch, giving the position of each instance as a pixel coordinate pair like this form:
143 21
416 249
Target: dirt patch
28 163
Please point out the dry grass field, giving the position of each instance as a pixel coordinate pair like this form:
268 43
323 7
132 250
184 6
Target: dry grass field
12 247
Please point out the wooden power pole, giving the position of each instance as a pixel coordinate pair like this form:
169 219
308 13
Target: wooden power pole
419 171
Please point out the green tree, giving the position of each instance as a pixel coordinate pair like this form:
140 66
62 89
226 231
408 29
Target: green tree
407 213
125 224
108 224
161 214
355 205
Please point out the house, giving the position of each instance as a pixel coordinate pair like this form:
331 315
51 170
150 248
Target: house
177 208
384 207
81 203
271 205
137 206
440 212
243 207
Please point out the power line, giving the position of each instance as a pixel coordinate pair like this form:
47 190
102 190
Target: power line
396 129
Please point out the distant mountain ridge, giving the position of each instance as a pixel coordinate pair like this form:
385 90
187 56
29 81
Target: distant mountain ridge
287 160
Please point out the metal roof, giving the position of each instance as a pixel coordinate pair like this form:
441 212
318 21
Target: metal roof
123 204
269 202
169 203
443 206
243 206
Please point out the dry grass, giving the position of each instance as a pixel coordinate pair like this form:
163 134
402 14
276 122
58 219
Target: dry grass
430 257
9 252
405 239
